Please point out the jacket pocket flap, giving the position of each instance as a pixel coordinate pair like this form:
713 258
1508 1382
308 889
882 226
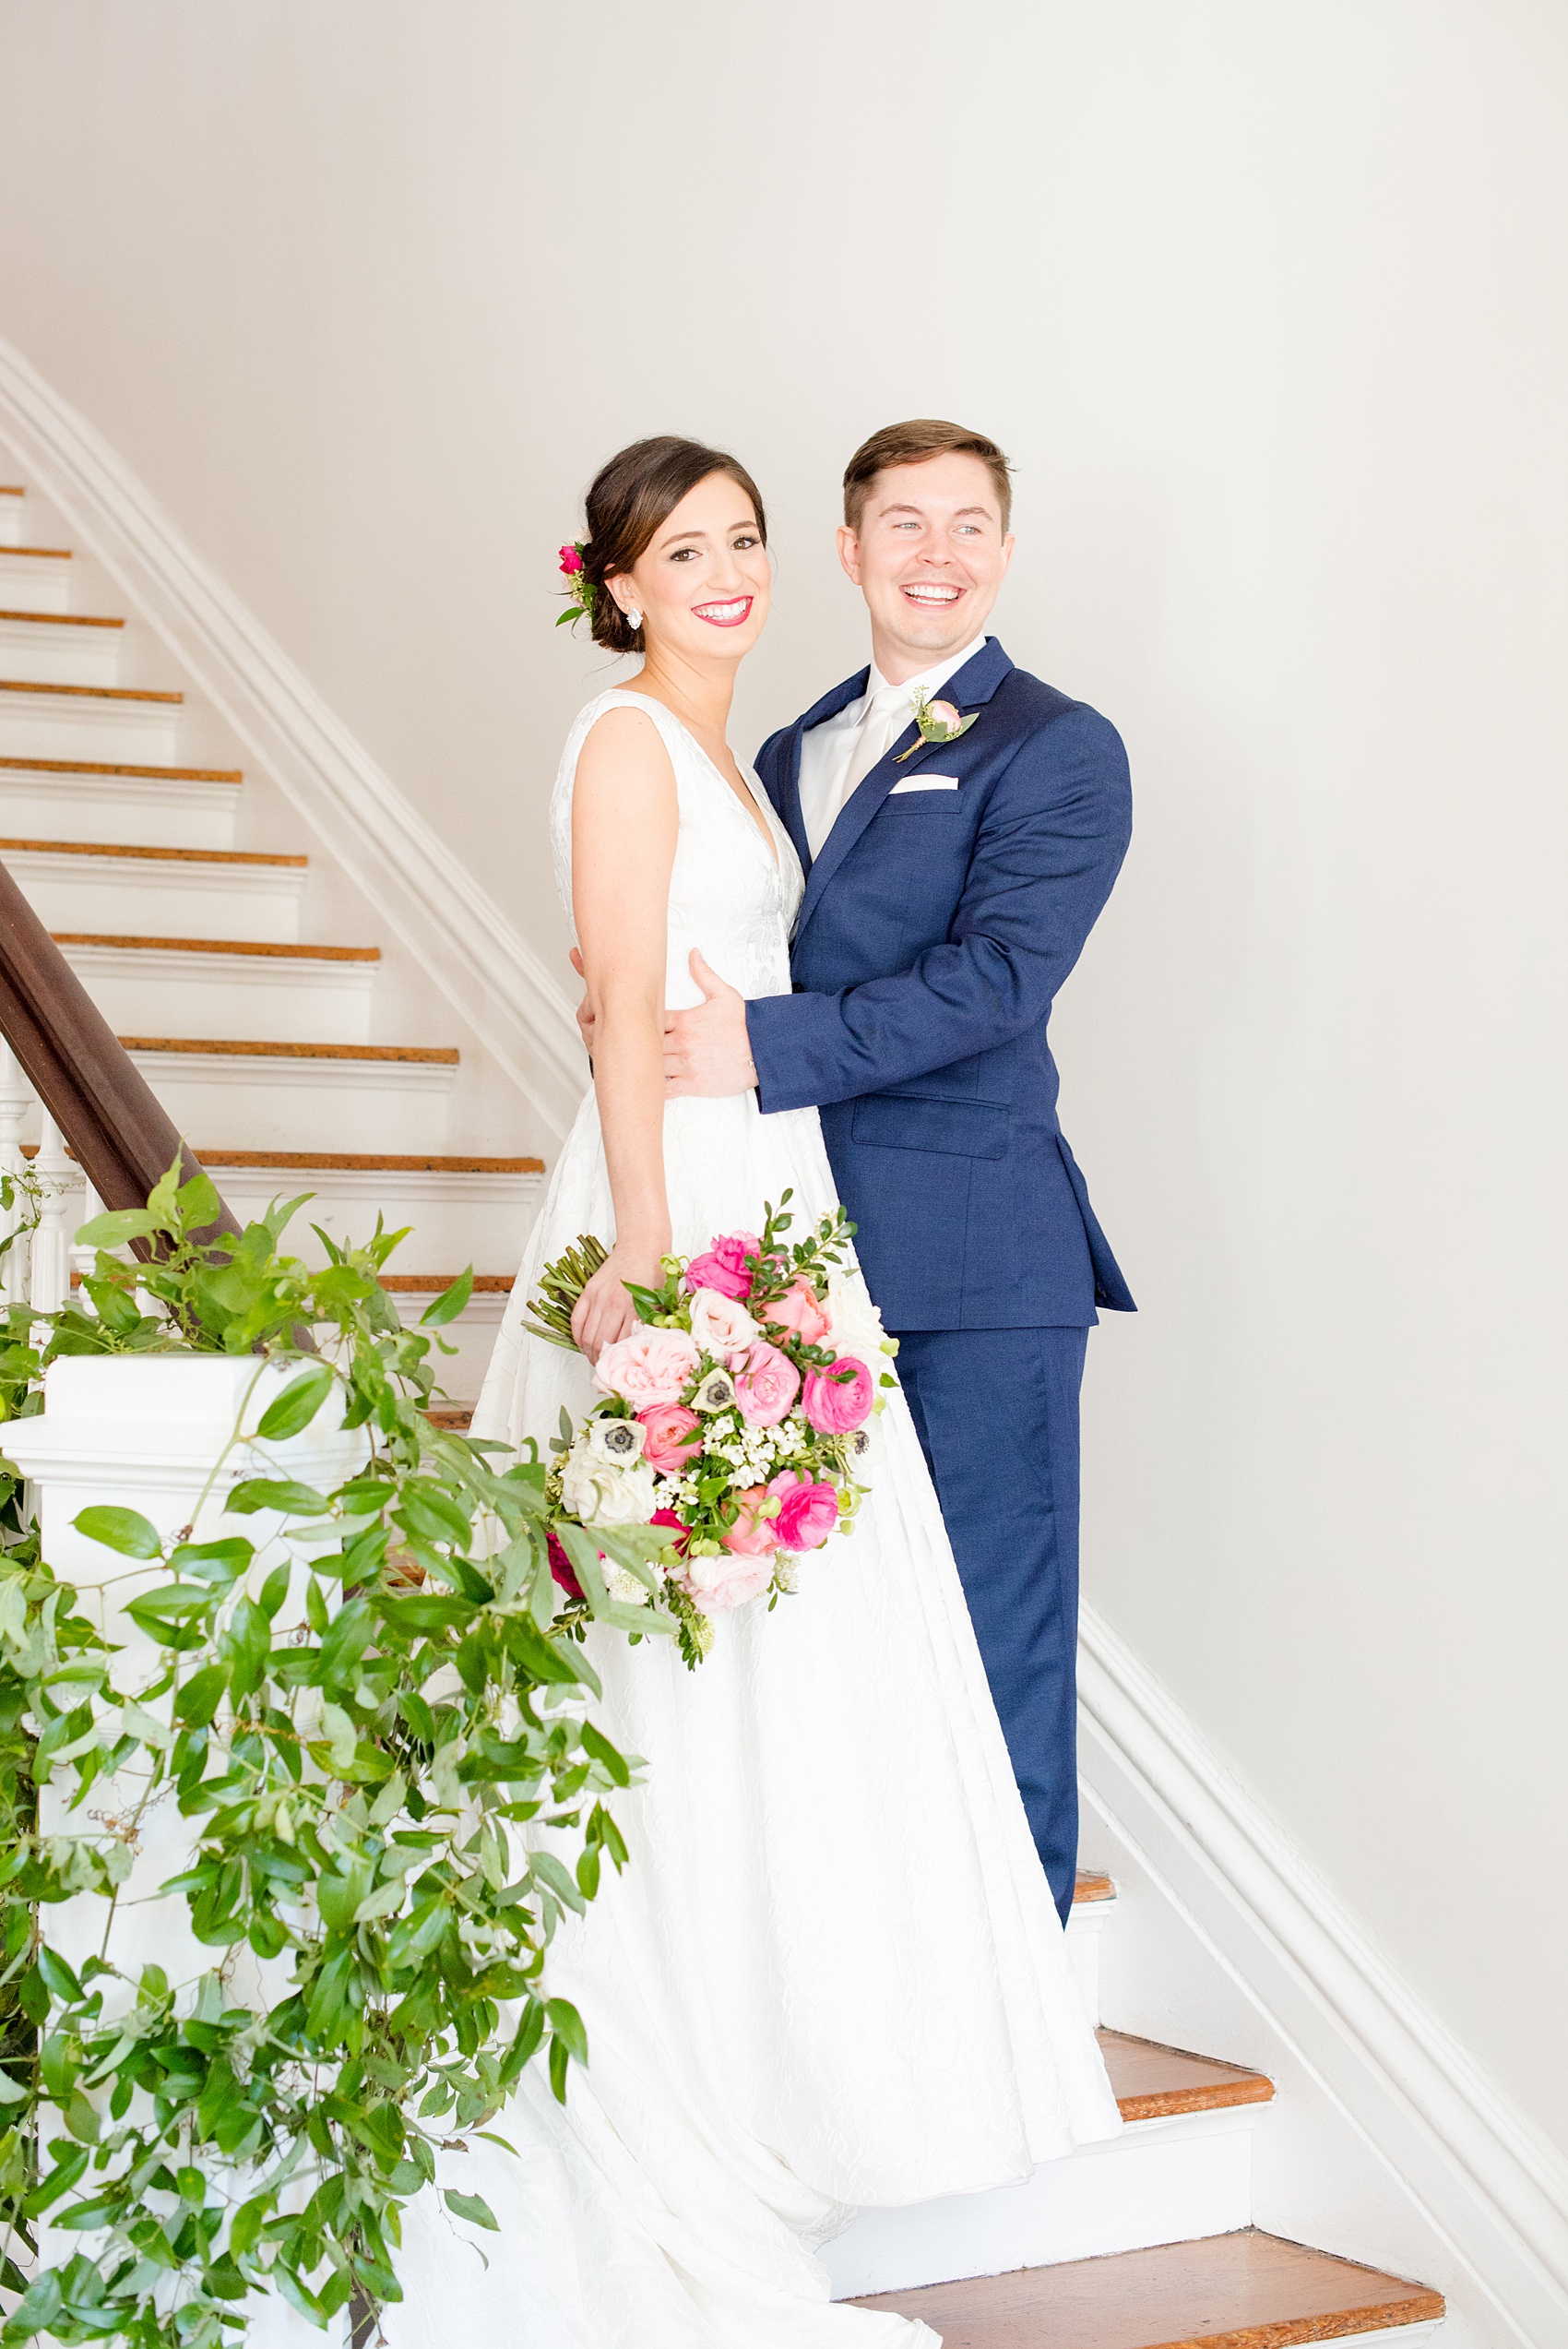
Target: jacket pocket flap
917 1121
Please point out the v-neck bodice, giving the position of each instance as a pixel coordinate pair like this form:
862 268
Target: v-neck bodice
730 895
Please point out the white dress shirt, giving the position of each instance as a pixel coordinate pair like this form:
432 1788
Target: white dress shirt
837 756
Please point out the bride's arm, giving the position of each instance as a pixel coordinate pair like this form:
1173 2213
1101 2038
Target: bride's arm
624 827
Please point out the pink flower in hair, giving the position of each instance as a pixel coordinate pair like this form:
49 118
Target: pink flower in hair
571 561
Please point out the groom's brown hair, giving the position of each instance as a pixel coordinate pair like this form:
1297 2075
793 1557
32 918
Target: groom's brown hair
912 444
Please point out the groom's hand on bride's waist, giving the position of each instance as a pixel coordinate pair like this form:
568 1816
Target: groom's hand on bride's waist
706 1050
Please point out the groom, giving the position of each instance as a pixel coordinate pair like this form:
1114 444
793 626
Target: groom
951 884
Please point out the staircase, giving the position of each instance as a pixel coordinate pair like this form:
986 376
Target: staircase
126 818
1145 2242
296 1056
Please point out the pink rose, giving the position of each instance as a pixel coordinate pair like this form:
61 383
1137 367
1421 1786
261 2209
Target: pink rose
751 1535
798 1311
663 1427
721 1325
808 1514
765 1385
945 714
650 1367
714 1585
836 1399
571 561
724 1266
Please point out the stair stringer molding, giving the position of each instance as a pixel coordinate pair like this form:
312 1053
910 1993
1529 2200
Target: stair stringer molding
1388 2143
476 958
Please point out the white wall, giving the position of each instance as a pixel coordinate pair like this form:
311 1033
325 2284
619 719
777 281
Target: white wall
1268 303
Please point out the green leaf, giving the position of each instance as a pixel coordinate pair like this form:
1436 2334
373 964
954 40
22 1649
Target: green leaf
201 1697
471 2206
352 1630
604 1752
278 1493
567 2024
293 1411
222 1562
113 1231
120 1529
450 1303
546 1868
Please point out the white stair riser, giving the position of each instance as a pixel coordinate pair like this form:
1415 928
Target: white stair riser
304 1105
459 1374
483 1219
1085 1925
33 726
166 901
11 513
142 811
257 999
34 583
1158 2182
63 655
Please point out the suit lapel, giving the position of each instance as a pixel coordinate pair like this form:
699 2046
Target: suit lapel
969 688
787 798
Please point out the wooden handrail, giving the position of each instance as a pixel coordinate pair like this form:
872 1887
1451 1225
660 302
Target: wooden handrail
112 1119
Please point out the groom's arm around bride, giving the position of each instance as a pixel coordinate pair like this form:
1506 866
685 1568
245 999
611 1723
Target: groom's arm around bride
961 825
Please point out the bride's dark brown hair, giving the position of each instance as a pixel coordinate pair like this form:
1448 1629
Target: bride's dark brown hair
631 497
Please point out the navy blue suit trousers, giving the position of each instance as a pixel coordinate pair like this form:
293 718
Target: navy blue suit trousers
997 1415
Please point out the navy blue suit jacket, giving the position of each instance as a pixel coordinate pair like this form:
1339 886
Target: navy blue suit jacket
935 930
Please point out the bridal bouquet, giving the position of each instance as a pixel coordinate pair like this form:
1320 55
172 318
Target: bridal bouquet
734 1416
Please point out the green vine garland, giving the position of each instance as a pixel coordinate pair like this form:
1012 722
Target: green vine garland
362 1716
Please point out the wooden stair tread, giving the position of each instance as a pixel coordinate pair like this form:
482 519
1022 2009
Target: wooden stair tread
1093 1884
123 767
457 1418
1152 2083
248 1049
49 553
263 947
1246 2291
370 1161
5 492
150 855
58 619
430 1284
87 693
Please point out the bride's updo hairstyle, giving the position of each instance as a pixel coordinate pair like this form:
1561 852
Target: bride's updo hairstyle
631 496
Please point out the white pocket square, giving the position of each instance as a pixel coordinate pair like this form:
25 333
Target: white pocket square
926 783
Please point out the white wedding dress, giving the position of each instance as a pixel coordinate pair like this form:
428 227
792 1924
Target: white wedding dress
831 1974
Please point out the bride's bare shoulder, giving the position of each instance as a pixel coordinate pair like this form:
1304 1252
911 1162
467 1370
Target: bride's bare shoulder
624 750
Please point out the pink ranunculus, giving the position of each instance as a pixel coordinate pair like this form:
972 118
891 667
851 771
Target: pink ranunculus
836 1399
798 1311
945 715
571 561
721 1325
561 1568
765 1385
808 1512
751 1535
714 1585
724 1266
665 1426
650 1367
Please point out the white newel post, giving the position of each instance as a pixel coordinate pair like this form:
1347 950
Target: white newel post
146 1432
51 1278
16 1101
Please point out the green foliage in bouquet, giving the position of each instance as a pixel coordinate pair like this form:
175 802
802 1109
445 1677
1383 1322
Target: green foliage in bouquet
361 1715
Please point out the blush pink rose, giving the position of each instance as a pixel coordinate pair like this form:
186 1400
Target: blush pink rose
751 1535
665 1427
808 1512
724 1266
945 715
798 1311
714 1585
836 1399
765 1385
650 1367
721 1325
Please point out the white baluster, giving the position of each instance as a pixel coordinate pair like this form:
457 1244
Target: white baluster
49 1282
88 1205
16 1100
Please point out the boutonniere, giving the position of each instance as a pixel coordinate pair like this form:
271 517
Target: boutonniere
938 722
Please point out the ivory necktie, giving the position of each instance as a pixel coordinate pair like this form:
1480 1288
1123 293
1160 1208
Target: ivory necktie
886 716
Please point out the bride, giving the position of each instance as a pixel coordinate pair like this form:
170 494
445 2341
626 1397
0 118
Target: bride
832 1974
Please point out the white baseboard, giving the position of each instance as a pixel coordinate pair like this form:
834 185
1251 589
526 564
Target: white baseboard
470 951
1486 2184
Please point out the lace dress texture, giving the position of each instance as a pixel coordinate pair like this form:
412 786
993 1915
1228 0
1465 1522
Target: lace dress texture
832 1974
